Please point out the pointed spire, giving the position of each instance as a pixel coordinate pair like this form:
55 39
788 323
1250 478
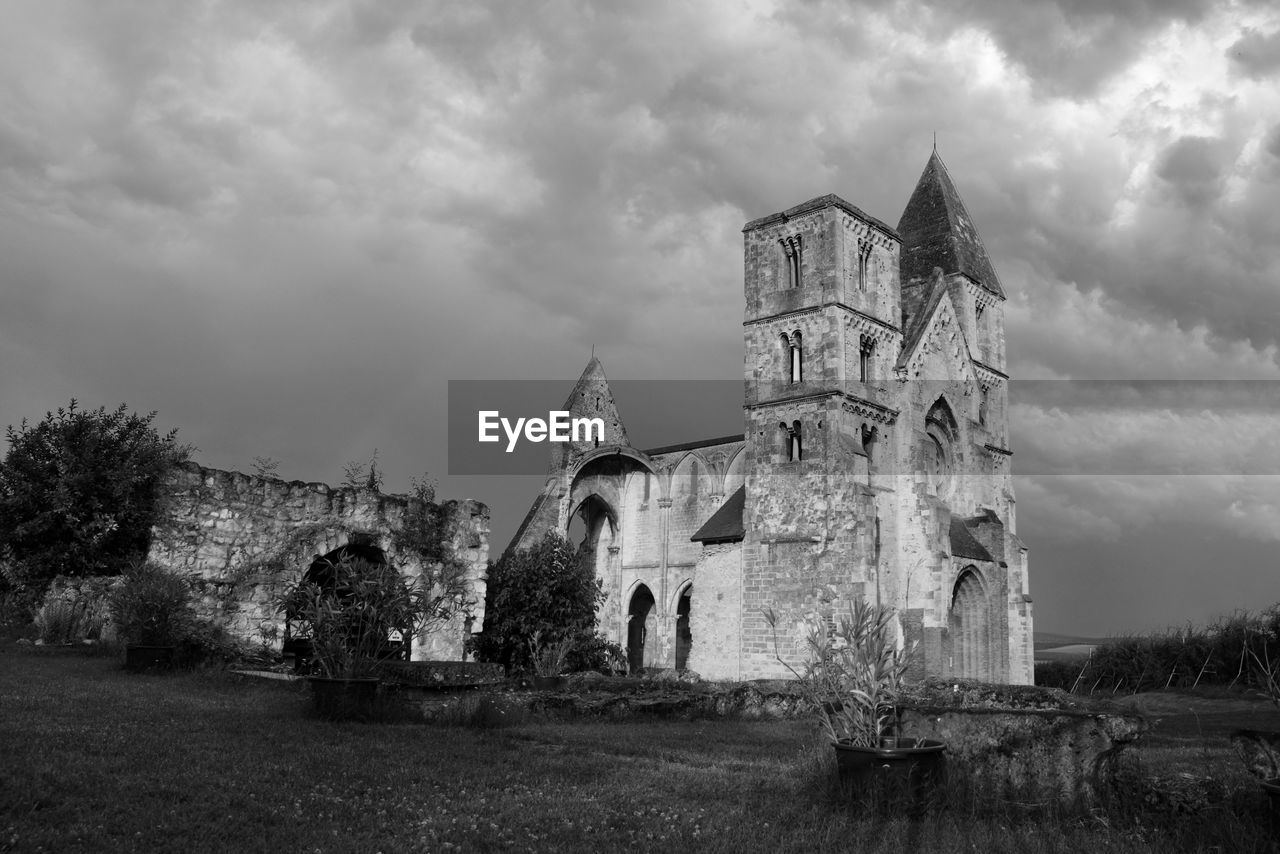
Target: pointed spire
937 231
591 398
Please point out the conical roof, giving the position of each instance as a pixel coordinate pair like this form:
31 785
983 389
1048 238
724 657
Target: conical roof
937 231
592 398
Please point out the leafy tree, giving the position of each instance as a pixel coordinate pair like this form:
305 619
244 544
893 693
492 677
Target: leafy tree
545 590
79 493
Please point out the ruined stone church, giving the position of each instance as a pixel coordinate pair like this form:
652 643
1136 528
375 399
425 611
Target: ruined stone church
873 464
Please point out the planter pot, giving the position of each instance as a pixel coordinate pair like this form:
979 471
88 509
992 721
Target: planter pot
1272 790
902 771
550 683
141 657
344 699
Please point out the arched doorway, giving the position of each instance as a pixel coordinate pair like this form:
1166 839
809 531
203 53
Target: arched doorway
684 636
641 620
969 627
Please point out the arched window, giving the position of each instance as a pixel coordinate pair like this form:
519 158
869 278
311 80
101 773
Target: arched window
797 358
864 257
866 358
869 437
791 253
795 445
940 438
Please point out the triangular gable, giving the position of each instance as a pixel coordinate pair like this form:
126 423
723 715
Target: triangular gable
938 311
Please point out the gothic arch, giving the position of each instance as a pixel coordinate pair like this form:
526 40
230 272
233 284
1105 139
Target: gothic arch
736 472
642 628
969 626
686 476
941 446
682 607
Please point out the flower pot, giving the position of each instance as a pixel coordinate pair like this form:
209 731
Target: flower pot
143 657
903 771
344 699
1272 789
550 683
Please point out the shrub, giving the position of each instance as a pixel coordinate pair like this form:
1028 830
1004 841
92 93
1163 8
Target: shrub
853 676
349 619
544 591
202 642
74 609
152 606
1221 653
79 493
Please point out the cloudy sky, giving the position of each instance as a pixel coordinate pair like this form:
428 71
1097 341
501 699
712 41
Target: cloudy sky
287 226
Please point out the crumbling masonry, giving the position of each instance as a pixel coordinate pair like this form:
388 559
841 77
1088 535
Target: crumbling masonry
245 538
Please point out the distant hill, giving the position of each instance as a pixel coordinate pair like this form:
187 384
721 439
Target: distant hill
1050 646
1047 640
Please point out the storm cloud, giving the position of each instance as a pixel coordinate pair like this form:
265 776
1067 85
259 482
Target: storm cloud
286 226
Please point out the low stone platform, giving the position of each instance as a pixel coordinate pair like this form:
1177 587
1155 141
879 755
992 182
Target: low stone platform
440 674
1020 743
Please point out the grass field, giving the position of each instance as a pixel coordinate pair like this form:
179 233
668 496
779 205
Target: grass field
94 759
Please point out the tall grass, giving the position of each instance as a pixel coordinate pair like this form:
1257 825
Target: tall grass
98 760
1220 653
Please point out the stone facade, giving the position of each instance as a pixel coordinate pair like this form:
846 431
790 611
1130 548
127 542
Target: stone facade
245 538
874 462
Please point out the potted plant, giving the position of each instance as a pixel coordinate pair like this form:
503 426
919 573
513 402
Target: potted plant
352 621
1259 749
853 678
548 662
151 609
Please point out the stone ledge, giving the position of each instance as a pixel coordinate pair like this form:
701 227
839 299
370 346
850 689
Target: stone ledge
440 674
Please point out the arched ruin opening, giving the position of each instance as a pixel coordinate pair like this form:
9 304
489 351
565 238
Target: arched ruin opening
684 636
641 622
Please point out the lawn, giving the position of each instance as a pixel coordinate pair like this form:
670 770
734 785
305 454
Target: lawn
95 759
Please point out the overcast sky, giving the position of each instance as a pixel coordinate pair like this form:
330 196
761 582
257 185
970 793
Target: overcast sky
287 226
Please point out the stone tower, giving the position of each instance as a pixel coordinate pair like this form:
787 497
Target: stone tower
822 331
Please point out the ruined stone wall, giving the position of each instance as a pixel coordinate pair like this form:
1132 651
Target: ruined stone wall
715 620
245 538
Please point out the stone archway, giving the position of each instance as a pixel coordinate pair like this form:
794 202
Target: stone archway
969 627
642 637
322 572
684 636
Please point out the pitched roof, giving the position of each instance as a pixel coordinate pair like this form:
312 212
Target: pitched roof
693 446
963 543
937 231
725 525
